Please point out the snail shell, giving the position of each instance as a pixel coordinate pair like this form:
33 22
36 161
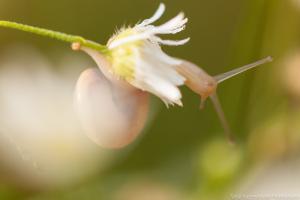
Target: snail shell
111 111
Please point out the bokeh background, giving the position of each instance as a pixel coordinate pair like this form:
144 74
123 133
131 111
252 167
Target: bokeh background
182 152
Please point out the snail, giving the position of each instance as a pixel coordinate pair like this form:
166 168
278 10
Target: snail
130 66
135 67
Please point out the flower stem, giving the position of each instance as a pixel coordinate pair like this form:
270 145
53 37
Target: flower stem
55 35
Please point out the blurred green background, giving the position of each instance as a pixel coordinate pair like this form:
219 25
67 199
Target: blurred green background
183 153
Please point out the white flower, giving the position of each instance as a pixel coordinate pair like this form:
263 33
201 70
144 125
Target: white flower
136 56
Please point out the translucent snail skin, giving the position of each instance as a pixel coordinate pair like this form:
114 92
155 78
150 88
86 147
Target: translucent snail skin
112 101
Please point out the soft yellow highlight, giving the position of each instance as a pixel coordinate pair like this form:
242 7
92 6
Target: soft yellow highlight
124 57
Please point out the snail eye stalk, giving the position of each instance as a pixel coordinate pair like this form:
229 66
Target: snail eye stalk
227 75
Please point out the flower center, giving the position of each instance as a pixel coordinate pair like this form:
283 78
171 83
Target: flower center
124 57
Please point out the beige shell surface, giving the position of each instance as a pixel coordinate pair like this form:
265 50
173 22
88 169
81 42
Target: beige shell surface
111 115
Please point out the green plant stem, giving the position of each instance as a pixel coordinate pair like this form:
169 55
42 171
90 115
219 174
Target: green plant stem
55 35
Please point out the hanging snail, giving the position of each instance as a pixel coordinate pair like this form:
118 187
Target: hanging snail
131 66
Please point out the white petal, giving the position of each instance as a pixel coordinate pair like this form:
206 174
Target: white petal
128 39
172 42
169 93
158 78
159 69
159 12
156 52
173 26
